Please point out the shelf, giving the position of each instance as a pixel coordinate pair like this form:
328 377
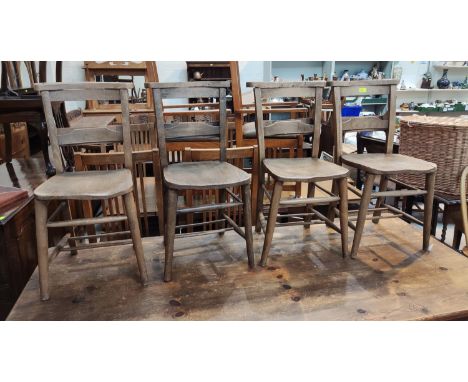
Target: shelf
407 111
450 67
191 64
430 90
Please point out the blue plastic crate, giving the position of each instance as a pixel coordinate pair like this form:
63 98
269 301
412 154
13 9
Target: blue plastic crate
351 110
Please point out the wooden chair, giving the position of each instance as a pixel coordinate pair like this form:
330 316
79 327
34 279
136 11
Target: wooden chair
245 133
309 170
89 185
218 175
384 165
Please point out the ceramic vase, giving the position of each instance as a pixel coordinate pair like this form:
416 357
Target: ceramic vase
443 82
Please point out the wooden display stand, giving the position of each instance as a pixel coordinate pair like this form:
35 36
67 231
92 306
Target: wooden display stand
95 69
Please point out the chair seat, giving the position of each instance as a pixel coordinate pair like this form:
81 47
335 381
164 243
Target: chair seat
204 175
387 164
86 185
303 169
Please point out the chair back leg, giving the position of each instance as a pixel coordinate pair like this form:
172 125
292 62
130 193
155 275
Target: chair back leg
343 189
382 187
428 205
248 224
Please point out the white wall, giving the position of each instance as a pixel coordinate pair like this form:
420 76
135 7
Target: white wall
175 71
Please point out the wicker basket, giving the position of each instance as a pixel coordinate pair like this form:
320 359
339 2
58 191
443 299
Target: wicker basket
441 140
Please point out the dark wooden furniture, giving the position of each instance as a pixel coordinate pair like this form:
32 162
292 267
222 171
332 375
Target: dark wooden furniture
306 280
217 175
23 105
309 170
385 165
86 185
17 230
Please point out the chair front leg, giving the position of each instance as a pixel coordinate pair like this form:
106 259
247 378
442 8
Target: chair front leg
363 207
248 224
382 187
42 241
274 207
171 215
134 226
343 189
428 205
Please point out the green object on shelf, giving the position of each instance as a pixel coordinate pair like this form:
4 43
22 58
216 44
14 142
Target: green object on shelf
429 109
2 217
374 101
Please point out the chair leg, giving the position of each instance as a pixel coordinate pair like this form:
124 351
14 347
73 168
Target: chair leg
331 208
310 194
171 214
219 213
71 242
42 240
260 195
274 206
428 205
248 224
132 218
382 187
361 218
343 187
87 208
160 207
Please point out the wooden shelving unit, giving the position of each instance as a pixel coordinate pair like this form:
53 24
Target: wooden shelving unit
431 90
450 67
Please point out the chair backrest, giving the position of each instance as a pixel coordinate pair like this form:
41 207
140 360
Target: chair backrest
83 91
189 130
386 122
304 126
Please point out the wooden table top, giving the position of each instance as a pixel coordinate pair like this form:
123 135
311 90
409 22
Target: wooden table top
22 173
306 279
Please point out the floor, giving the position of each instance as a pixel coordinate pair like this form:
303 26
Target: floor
306 279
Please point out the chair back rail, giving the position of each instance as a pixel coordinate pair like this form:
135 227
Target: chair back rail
82 91
188 131
295 126
341 125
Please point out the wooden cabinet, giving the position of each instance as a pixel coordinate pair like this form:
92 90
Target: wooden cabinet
17 254
18 257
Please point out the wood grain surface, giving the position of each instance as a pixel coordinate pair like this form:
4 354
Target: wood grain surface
306 279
